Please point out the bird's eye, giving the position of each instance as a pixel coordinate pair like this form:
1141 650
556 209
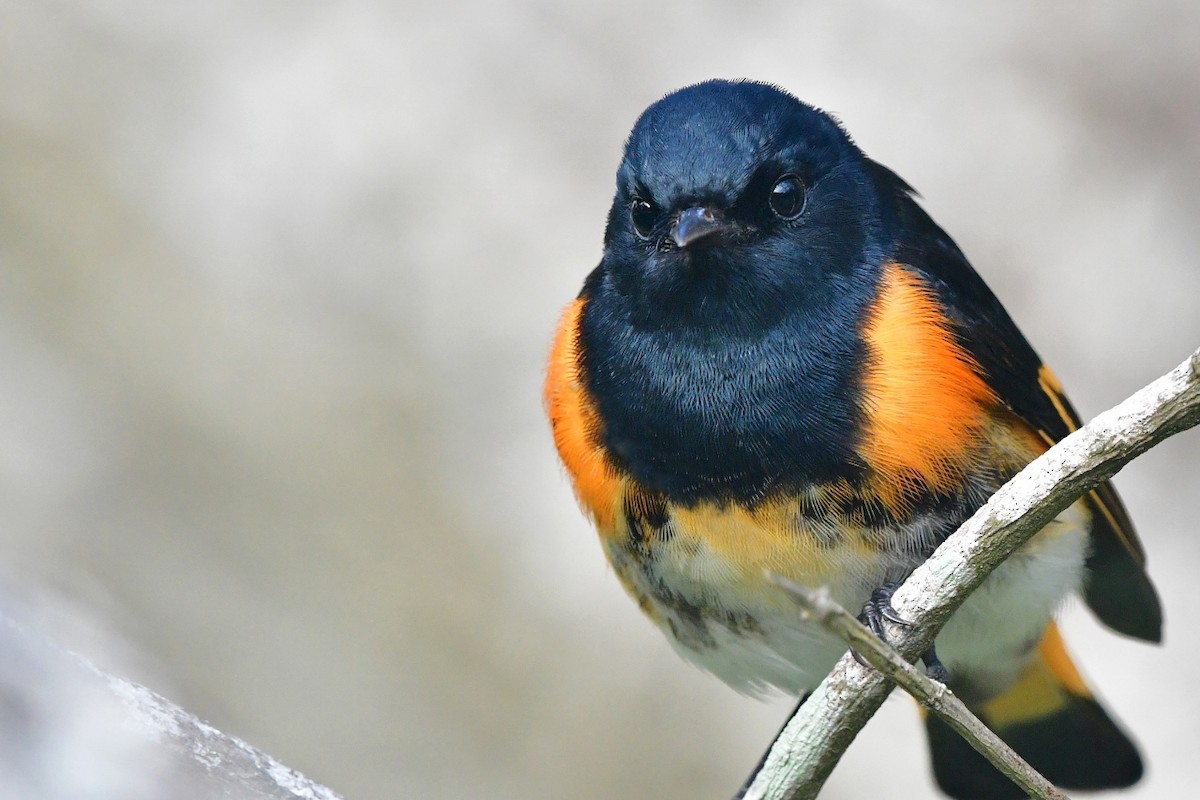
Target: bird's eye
642 214
788 197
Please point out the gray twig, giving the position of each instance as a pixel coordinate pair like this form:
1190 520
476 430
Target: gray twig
820 607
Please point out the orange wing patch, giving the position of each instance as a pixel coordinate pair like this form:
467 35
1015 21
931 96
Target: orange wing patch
1049 383
576 425
925 399
1104 497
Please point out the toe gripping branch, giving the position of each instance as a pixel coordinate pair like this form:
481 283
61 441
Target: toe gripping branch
879 608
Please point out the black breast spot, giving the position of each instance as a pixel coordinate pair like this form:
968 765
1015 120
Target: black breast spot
647 518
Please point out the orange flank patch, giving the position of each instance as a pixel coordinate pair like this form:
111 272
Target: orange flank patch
576 425
926 402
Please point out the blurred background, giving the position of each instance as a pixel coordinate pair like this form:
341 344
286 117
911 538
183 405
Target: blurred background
276 285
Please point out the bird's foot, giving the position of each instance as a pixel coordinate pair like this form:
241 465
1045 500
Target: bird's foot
879 608
934 667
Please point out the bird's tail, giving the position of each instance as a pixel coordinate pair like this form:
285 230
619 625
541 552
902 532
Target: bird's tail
1051 719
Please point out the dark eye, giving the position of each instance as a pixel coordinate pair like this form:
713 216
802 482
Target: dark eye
787 197
642 214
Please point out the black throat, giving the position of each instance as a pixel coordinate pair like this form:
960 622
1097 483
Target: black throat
723 414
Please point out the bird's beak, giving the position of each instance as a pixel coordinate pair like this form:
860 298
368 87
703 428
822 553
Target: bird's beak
696 223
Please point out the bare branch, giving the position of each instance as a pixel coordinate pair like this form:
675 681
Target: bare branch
819 606
817 736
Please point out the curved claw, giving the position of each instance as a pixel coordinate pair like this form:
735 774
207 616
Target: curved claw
862 662
890 614
879 608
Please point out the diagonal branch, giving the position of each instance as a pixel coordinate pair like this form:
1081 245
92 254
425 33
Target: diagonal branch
937 697
816 737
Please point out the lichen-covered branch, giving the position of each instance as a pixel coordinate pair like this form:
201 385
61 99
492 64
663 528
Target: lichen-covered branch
821 730
70 730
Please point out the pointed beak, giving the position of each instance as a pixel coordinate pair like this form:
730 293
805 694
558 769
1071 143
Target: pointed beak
696 223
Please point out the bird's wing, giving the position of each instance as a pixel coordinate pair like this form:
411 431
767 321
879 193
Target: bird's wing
1118 589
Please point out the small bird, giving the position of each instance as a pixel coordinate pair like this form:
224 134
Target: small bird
782 364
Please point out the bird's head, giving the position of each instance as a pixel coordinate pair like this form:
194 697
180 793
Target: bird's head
737 204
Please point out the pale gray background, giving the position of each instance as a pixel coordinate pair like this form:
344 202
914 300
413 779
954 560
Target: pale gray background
277 284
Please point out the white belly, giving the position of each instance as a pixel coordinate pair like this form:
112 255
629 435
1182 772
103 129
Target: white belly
989 639
751 637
